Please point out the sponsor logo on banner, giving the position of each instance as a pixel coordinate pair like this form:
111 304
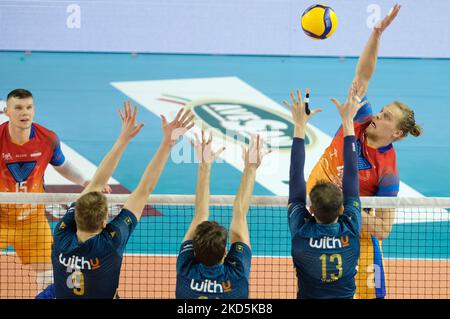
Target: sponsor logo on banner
236 119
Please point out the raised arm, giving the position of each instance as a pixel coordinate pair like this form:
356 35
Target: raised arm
205 157
368 60
347 111
171 133
110 161
297 184
252 160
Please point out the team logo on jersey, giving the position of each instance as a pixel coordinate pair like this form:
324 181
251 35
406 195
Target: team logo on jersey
210 286
239 248
79 263
21 170
235 119
329 242
62 226
7 156
128 220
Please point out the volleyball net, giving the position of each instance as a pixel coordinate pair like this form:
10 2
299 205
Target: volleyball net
416 251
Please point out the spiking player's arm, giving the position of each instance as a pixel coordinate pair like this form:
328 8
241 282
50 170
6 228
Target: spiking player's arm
368 60
381 224
347 111
109 163
171 133
252 159
205 156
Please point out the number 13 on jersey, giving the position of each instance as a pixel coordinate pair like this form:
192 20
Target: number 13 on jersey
329 273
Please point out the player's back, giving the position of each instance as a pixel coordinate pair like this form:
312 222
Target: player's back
229 280
90 269
87 270
326 257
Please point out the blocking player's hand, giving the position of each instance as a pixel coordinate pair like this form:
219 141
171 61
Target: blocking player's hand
106 189
348 110
129 127
254 154
203 150
383 24
172 131
298 110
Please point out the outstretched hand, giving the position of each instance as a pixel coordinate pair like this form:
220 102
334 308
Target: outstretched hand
350 108
383 24
203 150
172 131
254 154
298 109
128 117
106 189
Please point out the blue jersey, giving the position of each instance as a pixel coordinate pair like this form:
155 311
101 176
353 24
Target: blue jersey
229 280
89 269
325 255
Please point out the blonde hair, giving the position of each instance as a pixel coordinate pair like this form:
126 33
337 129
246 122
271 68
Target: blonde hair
90 211
407 123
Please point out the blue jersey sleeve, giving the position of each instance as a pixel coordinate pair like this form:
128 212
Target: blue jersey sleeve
364 113
350 181
185 256
120 229
352 213
239 258
58 157
297 214
297 184
388 186
67 223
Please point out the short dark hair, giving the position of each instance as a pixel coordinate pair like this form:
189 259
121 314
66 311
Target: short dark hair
210 241
327 199
19 94
91 210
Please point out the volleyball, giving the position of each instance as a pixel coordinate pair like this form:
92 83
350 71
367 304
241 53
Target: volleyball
319 21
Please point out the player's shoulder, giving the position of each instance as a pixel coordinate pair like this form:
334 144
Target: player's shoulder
240 247
106 242
296 206
3 127
43 131
124 218
387 157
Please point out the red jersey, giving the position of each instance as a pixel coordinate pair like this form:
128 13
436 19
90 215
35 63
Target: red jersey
22 167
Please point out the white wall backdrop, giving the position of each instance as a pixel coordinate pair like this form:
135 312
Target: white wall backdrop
261 27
